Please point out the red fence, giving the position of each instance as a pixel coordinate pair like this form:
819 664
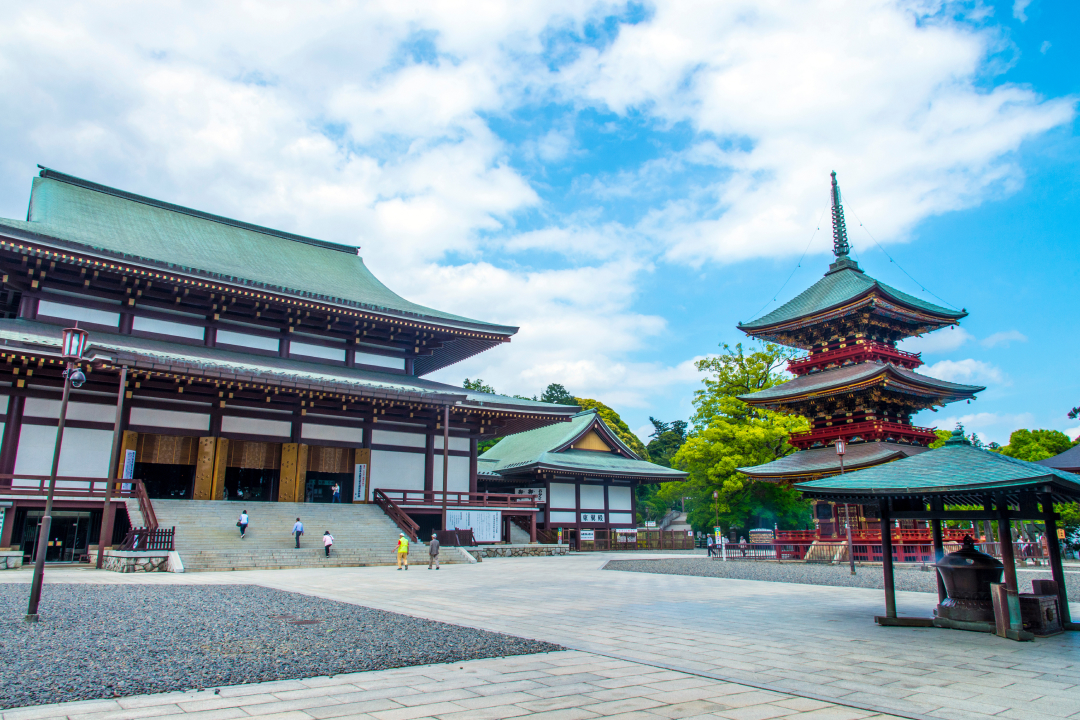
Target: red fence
81 488
148 539
837 551
429 498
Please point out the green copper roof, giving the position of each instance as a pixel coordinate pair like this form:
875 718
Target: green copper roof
958 469
818 461
843 283
177 357
543 447
838 378
99 218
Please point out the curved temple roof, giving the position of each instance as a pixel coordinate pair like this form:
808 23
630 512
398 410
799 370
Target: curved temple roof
824 461
550 448
958 470
84 214
845 379
842 285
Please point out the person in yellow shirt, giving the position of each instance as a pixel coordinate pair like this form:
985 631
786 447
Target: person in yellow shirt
402 551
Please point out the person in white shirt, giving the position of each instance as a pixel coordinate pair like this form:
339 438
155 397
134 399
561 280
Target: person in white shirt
242 523
297 531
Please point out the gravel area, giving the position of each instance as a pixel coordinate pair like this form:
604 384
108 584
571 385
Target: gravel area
814 574
101 641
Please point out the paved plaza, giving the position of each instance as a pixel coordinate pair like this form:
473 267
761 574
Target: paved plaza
788 650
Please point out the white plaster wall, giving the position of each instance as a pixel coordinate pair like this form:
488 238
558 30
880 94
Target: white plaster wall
456 443
170 419
85 453
256 426
592 497
164 327
563 517
562 496
386 361
620 518
316 351
457 480
387 437
311 431
619 498
74 312
254 342
91 412
396 470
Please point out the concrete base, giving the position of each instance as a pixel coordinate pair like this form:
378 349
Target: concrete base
903 621
11 559
128 561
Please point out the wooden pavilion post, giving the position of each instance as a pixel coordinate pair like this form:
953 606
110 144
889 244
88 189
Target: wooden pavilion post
1009 560
886 559
1053 548
936 505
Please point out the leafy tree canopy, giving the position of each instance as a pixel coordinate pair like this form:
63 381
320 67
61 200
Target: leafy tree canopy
478 385
668 437
556 393
728 434
1032 445
609 416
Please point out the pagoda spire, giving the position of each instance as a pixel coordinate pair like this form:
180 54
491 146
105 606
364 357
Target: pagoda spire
841 248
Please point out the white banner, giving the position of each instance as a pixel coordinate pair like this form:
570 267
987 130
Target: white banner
485 524
587 535
129 469
360 484
540 493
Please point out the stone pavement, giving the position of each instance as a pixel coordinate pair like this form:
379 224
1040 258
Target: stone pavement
551 686
810 641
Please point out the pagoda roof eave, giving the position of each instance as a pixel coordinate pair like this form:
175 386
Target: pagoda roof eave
858 377
844 291
816 463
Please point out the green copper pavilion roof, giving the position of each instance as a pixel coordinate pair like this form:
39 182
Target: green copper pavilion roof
842 285
959 471
160 355
854 377
813 463
84 215
549 448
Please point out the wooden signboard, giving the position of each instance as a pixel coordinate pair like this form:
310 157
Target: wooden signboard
362 475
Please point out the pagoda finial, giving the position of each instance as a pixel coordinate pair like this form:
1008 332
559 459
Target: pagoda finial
840 245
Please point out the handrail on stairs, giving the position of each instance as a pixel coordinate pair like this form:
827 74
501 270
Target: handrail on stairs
396 514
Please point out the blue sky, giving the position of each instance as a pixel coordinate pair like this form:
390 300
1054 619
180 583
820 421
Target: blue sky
624 181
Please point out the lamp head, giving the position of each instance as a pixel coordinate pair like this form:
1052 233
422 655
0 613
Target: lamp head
73 343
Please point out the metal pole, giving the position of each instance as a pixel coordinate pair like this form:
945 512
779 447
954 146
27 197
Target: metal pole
46 519
887 560
847 517
445 458
105 536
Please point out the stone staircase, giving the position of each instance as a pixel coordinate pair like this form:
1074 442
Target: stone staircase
207 537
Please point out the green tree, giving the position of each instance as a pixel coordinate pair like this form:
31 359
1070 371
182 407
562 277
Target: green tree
609 416
478 385
667 439
1032 445
555 393
728 434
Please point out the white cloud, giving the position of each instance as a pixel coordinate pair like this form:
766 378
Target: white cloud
1073 432
1045 47
1003 338
1018 9
941 341
965 371
991 427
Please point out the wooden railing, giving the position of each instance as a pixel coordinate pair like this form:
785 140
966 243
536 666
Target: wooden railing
149 539
836 551
395 513
921 535
429 498
81 488
868 430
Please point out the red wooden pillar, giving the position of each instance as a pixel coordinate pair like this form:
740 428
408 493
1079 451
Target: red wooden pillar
12 429
532 527
472 465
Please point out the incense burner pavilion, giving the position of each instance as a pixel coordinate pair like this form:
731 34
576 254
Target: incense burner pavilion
236 363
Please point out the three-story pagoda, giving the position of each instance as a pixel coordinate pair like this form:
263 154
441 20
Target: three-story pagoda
853 383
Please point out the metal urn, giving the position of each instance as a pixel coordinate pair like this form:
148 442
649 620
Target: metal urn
967 574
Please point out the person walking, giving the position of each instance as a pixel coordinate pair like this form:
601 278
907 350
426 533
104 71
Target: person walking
433 551
297 531
402 551
328 542
242 523
709 541
335 493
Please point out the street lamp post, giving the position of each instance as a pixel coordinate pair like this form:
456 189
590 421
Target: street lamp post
74 342
840 449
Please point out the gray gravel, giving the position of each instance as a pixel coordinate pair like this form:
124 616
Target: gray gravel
100 641
814 574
